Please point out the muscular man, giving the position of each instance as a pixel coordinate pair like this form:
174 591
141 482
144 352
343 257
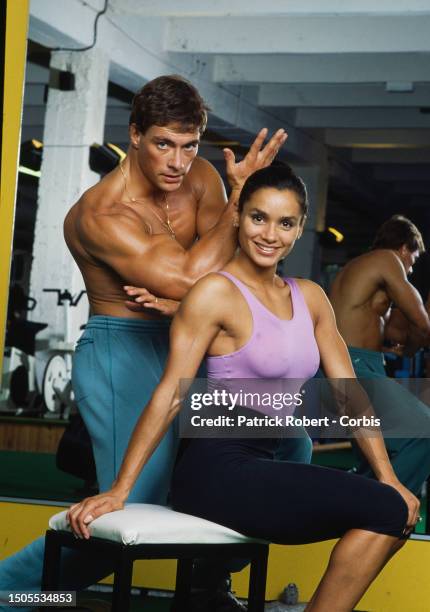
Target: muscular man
160 220
362 296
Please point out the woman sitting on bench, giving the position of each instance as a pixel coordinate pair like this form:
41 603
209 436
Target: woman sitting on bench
250 323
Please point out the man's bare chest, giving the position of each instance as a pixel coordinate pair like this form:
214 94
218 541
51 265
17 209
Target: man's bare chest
179 221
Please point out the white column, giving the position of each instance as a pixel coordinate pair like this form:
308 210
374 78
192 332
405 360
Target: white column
305 259
74 120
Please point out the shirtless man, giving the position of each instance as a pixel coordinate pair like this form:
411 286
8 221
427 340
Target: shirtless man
362 296
160 220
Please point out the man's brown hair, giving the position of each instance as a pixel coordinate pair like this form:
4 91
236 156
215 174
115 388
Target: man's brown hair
396 232
169 99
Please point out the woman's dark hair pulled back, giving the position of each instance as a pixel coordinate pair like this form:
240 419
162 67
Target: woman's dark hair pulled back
277 176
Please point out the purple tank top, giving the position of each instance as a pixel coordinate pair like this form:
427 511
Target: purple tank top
277 348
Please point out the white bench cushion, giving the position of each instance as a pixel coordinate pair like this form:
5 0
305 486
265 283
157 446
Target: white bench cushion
151 524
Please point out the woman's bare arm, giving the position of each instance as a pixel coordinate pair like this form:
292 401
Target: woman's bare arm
195 326
337 365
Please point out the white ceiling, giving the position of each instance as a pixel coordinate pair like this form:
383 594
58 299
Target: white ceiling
348 78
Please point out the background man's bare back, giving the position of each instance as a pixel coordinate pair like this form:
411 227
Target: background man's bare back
360 301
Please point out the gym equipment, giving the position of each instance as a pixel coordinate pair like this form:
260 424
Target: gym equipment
25 364
57 377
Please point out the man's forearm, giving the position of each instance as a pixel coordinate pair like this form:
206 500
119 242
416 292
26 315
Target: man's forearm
416 338
400 330
213 250
415 341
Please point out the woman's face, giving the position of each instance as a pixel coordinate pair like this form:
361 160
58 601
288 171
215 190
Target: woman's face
270 223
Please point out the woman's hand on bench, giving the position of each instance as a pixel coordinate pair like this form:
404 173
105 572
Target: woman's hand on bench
82 514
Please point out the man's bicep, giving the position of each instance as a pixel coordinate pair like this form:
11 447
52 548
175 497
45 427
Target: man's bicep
160 267
157 263
408 300
401 292
212 201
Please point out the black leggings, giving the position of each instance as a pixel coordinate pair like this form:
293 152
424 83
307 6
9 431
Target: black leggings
237 483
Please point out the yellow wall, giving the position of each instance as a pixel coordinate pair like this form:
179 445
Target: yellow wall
403 586
15 55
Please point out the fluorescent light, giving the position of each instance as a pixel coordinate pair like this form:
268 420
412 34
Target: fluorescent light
29 171
338 235
121 154
399 87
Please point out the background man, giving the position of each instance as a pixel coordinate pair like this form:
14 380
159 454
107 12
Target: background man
362 296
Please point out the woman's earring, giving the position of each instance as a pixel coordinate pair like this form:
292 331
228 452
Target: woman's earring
235 223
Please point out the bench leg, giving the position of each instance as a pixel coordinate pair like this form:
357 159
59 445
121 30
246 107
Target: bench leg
257 582
184 572
51 562
122 582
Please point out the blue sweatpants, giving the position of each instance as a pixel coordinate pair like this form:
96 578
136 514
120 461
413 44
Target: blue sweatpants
399 410
117 364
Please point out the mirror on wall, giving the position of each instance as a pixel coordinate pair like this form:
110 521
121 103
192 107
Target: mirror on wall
35 378
47 307
42 326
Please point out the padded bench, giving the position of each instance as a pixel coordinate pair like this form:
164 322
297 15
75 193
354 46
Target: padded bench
147 531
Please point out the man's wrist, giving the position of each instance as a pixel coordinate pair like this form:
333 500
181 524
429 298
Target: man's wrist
235 191
234 198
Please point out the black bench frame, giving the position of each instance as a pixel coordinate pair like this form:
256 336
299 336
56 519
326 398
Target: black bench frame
124 555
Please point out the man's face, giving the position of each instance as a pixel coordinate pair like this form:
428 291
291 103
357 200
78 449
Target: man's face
408 258
165 154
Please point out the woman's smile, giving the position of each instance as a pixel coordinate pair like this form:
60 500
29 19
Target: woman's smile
265 249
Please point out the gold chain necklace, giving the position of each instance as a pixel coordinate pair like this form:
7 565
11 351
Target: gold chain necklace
165 223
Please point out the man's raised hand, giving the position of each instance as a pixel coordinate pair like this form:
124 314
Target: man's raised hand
258 156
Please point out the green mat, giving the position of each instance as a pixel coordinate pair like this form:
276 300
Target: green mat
35 476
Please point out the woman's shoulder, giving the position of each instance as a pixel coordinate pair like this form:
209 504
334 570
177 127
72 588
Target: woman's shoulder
308 286
211 292
214 282
313 293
